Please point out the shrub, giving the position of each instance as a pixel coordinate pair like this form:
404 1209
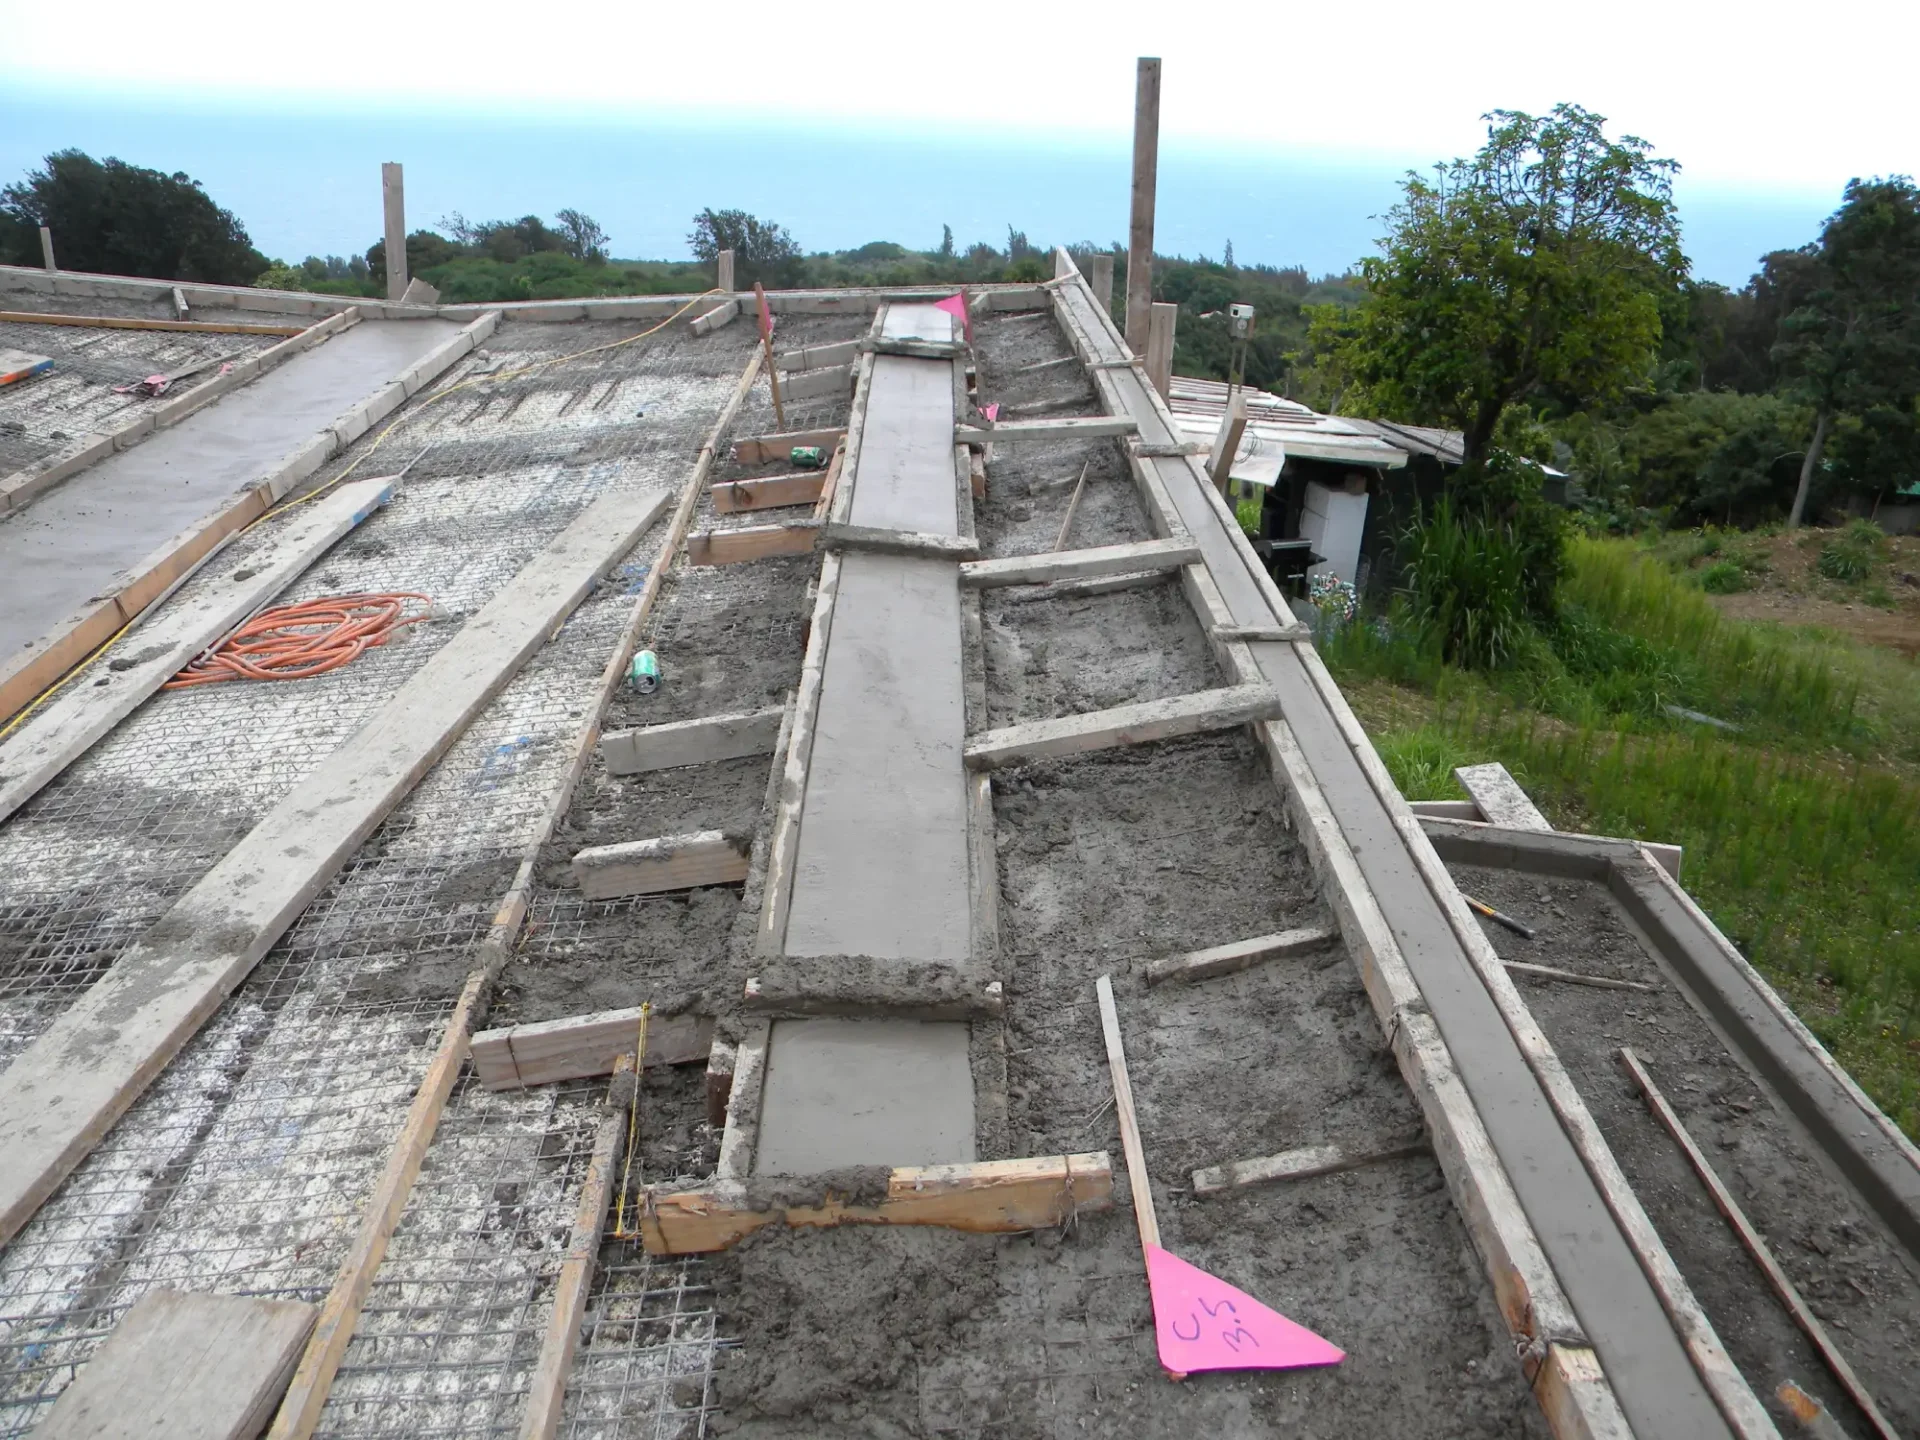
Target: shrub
1723 577
1844 561
1422 763
1467 584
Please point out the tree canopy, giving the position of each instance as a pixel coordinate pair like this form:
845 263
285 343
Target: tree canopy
762 250
112 218
1534 270
1852 343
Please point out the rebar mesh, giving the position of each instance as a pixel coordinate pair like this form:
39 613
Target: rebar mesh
644 1369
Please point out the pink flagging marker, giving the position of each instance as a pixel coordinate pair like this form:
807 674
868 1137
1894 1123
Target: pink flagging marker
1203 1323
956 305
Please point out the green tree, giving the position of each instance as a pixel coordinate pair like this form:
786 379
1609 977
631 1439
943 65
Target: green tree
1853 344
113 218
1533 272
762 250
582 237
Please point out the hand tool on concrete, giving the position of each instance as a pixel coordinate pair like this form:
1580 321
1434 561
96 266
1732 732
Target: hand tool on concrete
1199 1321
1480 907
155 385
1757 1247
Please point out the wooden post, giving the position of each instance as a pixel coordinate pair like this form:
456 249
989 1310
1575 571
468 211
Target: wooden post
766 345
1226 441
1159 353
1100 279
1137 1182
1146 170
393 198
46 248
725 278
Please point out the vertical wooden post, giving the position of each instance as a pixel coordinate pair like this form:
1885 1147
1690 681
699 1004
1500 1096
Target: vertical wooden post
1146 172
46 248
1159 353
1100 278
725 278
393 198
1226 441
766 349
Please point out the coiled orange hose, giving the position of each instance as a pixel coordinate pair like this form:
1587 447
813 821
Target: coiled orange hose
292 642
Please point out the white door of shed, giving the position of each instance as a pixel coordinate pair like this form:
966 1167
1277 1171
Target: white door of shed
1334 521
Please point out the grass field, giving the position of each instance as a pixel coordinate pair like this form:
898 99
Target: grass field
1799 809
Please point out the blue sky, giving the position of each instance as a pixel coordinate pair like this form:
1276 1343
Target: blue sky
1288 141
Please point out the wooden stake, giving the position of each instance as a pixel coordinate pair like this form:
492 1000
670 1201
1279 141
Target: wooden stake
1757 1247
766 348
1136 1155
1073 505
394 206
1146 168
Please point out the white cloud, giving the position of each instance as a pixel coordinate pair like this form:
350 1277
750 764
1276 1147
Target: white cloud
1757 95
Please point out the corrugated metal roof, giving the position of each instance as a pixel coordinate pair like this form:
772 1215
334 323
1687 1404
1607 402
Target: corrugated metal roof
1277 428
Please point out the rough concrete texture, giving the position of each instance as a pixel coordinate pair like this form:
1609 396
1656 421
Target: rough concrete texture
865 1092
1851 1271
69 545
1029 487
1106 862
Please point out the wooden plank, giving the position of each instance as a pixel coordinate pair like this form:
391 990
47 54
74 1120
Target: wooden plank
1261 632
1239 955
1756 1246
114 322
1301 1164
666 862
755 542
725 313
881 541
819 357
67 1089
1144 1218
1073 508
691 742
547 1390
763 449
1161 320
299 1414
583 1046
1445 809
1499 798
1597 982
184 1366
1144 557
1122 725
74 721
1146 184
732 497
987 1196
834 382
1085 427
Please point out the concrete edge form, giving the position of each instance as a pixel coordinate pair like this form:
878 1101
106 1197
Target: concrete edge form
1871 1152
1582 1395
25 486
74 639
66 1091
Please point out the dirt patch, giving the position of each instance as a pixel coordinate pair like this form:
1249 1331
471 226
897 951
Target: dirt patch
1030 485
1788 589
1850 1270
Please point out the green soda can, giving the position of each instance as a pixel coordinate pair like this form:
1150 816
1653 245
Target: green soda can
809 457
643 672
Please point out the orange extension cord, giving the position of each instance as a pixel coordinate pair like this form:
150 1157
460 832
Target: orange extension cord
292 642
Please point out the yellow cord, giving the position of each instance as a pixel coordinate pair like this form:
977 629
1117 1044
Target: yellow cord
633 1124
114 639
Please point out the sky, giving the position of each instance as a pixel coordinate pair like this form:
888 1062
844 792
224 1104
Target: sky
1287 136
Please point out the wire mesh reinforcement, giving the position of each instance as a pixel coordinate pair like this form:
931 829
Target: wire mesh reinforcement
245 1167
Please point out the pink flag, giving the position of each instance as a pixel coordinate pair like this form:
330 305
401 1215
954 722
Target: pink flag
1203 1323
956 306
992 412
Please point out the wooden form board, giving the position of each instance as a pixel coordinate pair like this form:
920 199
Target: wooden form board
666 862
114 322
1239 955
184 1366
1096 560
1301 1164
836 380
733 496
1135 724
987 1196
690 742
584 1046
1499 798
1082 428
763 449
879 540
819 357
754 542
68 726
725 313
68 1088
